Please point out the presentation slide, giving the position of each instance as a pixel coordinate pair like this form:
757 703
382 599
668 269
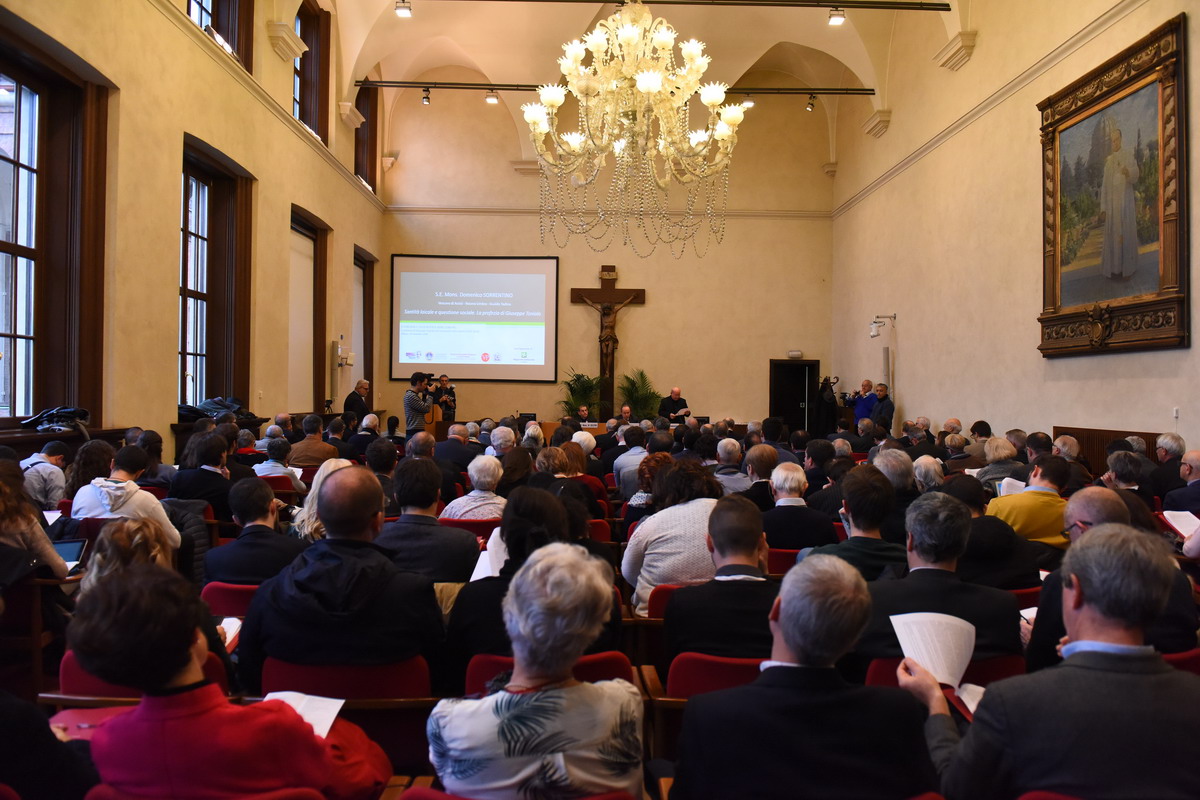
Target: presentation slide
474 318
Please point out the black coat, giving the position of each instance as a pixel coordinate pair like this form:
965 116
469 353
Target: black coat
996 556
455 452
759 493
421 544
797 527
206 485
257 555
720 618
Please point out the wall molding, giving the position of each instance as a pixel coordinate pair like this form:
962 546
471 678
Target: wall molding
502 211
256 90
995 99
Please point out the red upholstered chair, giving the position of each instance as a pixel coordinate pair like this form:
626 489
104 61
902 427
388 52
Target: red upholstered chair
307 474
981 672
860 458
402 679
1188 660
632 528
7 793
106 792
1040 795
841 532
65 505
604 666
599 530
482 528
74 680
89 528
1027 598
427 793
228 599
656 604
780 561
281 485
610 481
696 673
157 491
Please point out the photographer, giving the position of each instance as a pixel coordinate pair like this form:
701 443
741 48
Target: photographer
417 403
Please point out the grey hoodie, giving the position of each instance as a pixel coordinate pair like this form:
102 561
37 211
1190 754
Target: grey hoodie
107 498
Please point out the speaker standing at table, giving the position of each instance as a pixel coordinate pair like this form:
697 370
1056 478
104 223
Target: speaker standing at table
674 407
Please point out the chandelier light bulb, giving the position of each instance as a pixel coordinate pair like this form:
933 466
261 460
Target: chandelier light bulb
403 9
691 50
836 16
552 95
649 81
534 112
747 101
699 65
712 94
663 39
698 137
573 140
628 35
733 115
575 50
596 41
722 131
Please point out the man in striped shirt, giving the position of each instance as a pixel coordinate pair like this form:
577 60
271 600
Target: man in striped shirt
417 403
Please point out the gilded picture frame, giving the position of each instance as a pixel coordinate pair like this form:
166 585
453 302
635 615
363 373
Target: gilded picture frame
1114 182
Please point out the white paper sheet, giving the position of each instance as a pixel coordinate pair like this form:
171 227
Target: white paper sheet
1183 521
1030 614
1011 486
231 625
973 472
51 516
320 712
297 471
940 643
1042 573
970 694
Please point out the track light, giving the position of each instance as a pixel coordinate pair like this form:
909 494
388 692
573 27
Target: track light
836 16
491 98
403 9
747 101
812 98
425 98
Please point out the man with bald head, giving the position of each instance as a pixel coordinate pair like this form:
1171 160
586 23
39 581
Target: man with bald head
1172 632
1186 498
421 445
342 601
356 401
455 449
674 407
284 420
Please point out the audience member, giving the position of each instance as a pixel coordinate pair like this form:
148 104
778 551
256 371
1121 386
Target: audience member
1036 512
311 451
455 449
209 481
556 605
1172 630
342 601
728 472
278 463
791 524
897 467
1068 448
37 760
995 556
501 441
335 436
806 732
93 460
1185 498
957 458
144 629
668 546
1018 439
187 458
481 502
123 543
1125 472
306 523
828 499
381 459
367 433
45 482
641 505
1095 726
627 462
518 466
817 456
1001 459
235 469
260 552
867 499
927 472
772 433
760 462
19 525
118 495
980 432
1168 449
421 445
273 432
157 473
415 541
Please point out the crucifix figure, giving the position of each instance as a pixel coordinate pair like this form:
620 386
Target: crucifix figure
608 300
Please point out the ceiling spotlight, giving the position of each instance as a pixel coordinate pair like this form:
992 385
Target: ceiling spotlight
425 98
747 101
812 98
491 98
836 16
404 9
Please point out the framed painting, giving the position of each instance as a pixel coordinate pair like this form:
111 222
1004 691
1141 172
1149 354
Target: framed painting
1114 183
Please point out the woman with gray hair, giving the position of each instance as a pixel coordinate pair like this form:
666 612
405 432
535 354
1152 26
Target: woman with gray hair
545 733
481 502
927 471
1002 461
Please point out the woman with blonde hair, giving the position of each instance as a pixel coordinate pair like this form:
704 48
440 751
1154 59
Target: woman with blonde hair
305 524
125 542
1002 461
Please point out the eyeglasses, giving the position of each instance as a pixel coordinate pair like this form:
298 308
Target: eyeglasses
1082 524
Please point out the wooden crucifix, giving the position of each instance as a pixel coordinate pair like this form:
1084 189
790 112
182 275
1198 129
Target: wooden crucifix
608 300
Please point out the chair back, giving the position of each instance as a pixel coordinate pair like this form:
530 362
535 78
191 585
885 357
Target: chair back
427 793
89 528
157 491
228 599
610 481
981 672
656 605
105 792
780 561
629 531
696 673
350 682
599 530
1027 598
65 505
605 666
481 528
1188 660
307 474
860 458
74 679
840 530
279 483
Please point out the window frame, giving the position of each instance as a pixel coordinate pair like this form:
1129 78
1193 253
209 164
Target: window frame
234 21
366 136
308 224
312 68
366 262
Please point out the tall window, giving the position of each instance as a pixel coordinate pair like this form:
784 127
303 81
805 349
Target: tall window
366 154
310 72
214 276
193 289
232 20
19 136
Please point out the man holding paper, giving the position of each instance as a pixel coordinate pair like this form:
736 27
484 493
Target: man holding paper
1114 721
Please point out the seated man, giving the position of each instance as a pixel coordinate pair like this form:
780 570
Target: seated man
118 495
938 526
335 436
367 433
800 730
761 460
957 458
1172 631
728 473
278 463
817 455
455 449
273 432
44 480
260 552
1095 726
728 615
421 445
381 459
792 525
1186 498
1037 512
342 601
867 497
209 481
143 627
481 502
415 541
310 451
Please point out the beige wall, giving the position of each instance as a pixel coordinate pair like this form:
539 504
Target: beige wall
951 238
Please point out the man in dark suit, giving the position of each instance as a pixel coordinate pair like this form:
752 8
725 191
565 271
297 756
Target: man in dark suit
421 445
761 461
368 432
415 541
728 615
356 401
455 449
335 435
800 730
1168 449
619 448
1186 498
917 443
1096 726
607 440
1171 631
260 552
791 524
817 455
938 526
381 459
342 601
209 481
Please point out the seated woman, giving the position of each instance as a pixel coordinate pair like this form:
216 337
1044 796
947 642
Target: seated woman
518 466
481 502
577 470
641 504
157 473
143 628
19 523
1001 461
93 460
553 469
545 733
305 524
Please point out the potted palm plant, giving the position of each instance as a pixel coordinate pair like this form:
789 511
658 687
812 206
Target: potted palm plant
581 390
638 393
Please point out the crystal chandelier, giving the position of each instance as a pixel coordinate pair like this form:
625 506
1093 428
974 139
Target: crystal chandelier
633 112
